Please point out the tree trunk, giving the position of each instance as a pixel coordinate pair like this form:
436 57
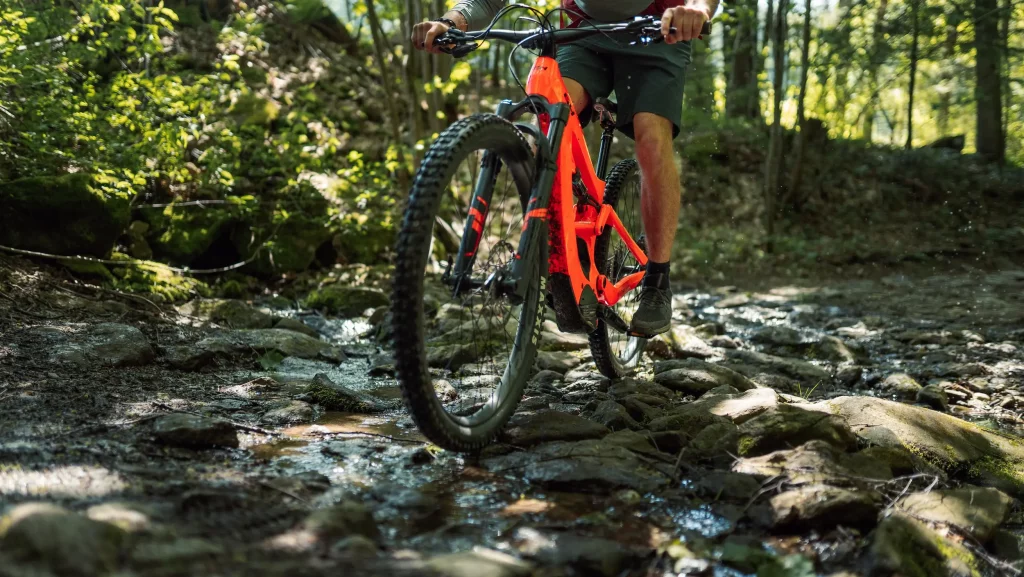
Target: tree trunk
774 165
795 198
946 76
913 75
1004 36
394 117
878 55
741 93
988 81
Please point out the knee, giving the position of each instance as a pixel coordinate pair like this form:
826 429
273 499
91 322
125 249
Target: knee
653 135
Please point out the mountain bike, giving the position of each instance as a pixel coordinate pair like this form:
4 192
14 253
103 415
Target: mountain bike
503 217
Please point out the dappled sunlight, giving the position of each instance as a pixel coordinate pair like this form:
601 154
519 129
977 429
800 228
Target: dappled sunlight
60 482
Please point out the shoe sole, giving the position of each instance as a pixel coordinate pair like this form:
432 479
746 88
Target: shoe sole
647 334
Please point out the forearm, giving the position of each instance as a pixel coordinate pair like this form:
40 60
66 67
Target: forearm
474 14
712 8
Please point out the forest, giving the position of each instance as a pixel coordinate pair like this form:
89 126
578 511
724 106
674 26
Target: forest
201 370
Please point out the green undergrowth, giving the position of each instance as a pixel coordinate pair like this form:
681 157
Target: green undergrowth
153 280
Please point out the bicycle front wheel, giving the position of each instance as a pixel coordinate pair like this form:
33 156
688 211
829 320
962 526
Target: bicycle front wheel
615 352
463 348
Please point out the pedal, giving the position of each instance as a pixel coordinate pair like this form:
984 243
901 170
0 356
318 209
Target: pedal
639 335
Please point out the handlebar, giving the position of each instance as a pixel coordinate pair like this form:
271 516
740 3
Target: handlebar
647 30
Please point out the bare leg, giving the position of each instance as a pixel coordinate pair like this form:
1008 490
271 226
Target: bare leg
577 94
660 192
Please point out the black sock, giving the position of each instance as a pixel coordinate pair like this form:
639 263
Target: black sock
657 274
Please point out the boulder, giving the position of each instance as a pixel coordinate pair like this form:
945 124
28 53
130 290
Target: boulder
823 507
557 361
935 397
816 462
738 408
903 546
976 511
105 344
534 428
194 431
901 385
696 377
342 520
803 371
289 413
261 341
345 301
787 426
65 215
614 416
62 541
334 397
235 314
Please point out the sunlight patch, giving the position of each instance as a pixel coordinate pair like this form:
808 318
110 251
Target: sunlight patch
66 481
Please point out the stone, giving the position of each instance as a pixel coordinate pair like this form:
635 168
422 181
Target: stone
479 563
132 518
62 541
334 397
901 385
153 554
295 325
194 431
837 350
246 342
683 342
627 387
582 554
935 397
848 377
814 463
724 342
777 335
559 341
614 416
787 426
976 511
716 443
534 428
559 362
546 377
941 439
696 377
903 546
727 485
640 443
289 413
591 465
342 520
821 507
737 408
106 344
235 314
902 462
355 546
642 407
65 215
733 301
345 301
803 371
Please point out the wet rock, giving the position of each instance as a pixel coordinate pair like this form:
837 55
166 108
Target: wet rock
816 462
585 372
976 511
640 407
670 442
445 391
479 563
937 437
837 350
787 426
716 443
546 377
46 535
626 387
803 371
727 485
529 429
354 546
777 335
108 344
382 366
558 341
288 413
235 314
848 377
334 397
260 341
178 552
696 377
640 443
724 342
295 325
342 520
822 507
733 301
614 416
901 385
592 465
452 357
902 462
737 408
194 432
559 362
584 555
682 342
903 546
345 301
302 484
934 396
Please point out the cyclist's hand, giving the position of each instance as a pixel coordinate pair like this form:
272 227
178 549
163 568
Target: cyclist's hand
424 33
687 20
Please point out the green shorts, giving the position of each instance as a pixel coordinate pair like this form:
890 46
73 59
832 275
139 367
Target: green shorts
644 78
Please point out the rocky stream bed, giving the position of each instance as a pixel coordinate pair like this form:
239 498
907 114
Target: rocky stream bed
866 427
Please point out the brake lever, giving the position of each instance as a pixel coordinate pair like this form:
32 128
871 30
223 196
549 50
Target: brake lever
454 42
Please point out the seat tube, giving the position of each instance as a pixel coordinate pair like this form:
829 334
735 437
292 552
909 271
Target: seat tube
604 152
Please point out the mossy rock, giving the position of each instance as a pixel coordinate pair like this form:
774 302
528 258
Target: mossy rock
182 234
158 280
345 301
65 215
292 248
88 269
905 546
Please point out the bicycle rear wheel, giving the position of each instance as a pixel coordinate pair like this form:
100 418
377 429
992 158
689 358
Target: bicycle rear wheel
615 352
480 341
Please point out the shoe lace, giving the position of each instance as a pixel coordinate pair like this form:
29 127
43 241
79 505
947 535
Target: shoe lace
655 297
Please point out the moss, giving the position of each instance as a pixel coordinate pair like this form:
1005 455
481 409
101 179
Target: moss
181 234
1001 473
66 215
291 247
746 444
345 301
88 269
157 280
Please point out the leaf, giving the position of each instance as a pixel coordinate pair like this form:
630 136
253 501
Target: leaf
271 360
